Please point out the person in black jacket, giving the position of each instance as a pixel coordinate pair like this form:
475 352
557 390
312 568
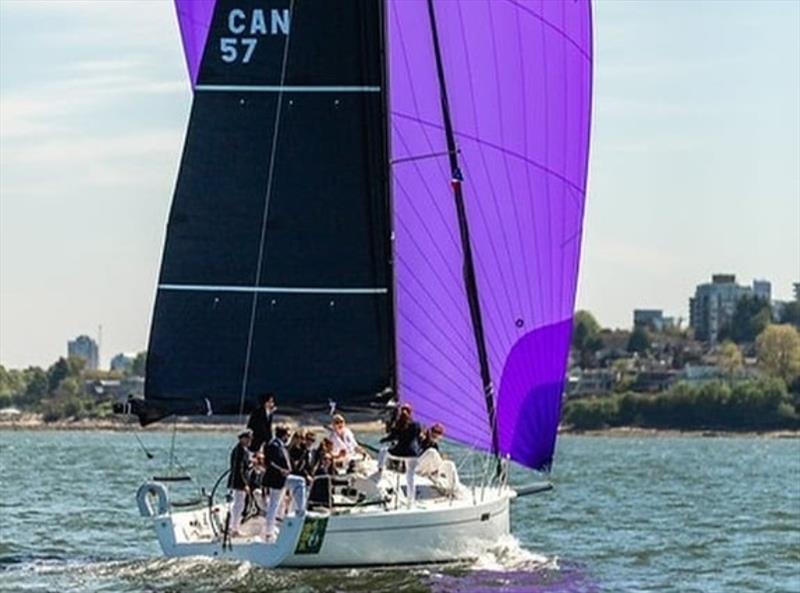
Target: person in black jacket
237 479
404 435
300 454
260 421
278 468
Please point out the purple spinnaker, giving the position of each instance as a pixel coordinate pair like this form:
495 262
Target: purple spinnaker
194 19
519 78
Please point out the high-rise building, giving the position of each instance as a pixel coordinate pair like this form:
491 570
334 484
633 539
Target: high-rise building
652 319
714 304
123 362
762 289
86 348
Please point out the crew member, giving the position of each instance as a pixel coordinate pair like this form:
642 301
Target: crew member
344 442
442 472
278 468
237 479
260 421
405 436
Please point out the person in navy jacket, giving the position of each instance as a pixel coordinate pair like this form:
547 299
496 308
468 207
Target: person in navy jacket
237 479
260 422
278 468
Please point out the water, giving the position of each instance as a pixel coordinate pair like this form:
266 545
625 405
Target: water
668 514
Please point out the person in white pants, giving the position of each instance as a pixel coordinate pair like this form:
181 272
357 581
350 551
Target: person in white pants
237 480
431 464
278 469
405 435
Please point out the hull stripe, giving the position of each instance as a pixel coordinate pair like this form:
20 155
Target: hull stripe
419 526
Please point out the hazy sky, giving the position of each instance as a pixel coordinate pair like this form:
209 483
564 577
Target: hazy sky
694 161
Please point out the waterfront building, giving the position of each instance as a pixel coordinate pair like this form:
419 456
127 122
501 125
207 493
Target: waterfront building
86 348
713 304
584 382
118 390
652 319
123 362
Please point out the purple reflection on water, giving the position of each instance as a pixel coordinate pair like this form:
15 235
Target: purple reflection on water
514 581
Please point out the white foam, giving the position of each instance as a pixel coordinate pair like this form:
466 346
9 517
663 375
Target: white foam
508 554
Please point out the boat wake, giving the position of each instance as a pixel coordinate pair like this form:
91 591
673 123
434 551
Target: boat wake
506 568
508 554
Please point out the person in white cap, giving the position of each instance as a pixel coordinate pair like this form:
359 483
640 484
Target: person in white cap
237 479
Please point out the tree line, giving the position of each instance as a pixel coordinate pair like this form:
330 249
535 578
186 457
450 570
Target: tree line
59 390
763 404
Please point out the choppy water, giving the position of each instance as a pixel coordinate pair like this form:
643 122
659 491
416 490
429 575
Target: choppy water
652 514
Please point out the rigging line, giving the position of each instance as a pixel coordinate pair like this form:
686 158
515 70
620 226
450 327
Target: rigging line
469 270
141 444
264 216
172 443
420 157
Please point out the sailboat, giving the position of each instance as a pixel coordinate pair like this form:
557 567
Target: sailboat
375 197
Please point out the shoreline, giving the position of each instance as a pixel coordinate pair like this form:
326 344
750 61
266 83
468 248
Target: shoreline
34 422
639 431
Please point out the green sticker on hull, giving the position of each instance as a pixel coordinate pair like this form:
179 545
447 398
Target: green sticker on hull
312 535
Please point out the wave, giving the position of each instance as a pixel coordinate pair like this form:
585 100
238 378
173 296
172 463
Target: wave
506 567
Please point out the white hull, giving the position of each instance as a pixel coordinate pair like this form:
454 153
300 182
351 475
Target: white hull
435 530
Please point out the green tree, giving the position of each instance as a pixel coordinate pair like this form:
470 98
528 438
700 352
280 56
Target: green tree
751 316
57 372
778 348
36 384
639 340
63 368
791 314
730 359
138 366
585 338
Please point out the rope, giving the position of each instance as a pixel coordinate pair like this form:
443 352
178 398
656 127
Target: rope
264 217
141 444
172 444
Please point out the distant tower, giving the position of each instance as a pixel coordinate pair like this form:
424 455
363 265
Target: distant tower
86 348
99 343
763 290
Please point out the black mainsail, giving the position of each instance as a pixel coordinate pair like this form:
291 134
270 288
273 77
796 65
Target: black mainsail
276 273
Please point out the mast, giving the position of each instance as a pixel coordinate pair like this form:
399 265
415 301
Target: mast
470 283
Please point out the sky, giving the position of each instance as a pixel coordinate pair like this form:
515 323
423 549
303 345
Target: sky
694 165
